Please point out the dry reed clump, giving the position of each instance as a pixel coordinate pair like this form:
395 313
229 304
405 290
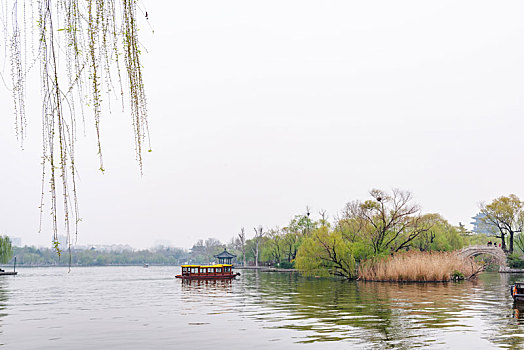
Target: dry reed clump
417 267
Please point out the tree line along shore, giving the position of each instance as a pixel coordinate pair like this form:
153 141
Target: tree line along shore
386 238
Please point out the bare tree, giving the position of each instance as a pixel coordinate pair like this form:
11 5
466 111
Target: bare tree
323 216
308 220
389 221
242 239
212 246
257 239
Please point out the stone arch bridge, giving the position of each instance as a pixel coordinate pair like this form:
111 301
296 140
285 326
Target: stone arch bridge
495 251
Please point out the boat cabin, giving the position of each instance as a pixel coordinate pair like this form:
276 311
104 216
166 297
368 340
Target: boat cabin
517 291
219 271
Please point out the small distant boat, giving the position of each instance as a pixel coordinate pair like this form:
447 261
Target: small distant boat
146 265
203 272
8 273
517 291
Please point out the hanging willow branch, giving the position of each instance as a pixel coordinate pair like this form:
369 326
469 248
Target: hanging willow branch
78 45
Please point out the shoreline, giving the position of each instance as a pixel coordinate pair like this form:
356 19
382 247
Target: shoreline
264 269
510 270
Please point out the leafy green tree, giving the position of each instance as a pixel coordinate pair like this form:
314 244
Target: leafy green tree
441 235
477 239
326 252
507 215
290 243
6 250
302 224
514 261
519 242
293 233
273 248
250 248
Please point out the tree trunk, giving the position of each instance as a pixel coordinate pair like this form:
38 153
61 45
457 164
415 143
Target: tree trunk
502 237
256 255
242 236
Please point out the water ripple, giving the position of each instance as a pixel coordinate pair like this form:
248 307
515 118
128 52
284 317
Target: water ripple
132 307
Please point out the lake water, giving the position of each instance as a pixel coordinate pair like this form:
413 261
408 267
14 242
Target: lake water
147 308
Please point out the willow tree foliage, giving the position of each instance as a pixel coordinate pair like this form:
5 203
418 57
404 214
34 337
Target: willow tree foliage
441 235
85 51
325 252
6 250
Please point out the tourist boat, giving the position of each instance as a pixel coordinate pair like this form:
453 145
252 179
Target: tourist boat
517 291
204 272
224 269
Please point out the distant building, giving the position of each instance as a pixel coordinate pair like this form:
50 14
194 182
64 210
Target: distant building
481 227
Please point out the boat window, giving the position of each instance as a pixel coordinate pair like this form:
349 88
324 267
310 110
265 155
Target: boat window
193 270
211 270
219 269
226 269
203 270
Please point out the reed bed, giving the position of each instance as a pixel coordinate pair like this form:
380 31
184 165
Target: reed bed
418 267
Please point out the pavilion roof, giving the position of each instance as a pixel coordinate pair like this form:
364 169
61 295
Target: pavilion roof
225 254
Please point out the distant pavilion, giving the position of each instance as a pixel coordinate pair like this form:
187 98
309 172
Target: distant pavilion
225 257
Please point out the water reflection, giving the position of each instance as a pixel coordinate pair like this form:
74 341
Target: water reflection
518 312
392 314
127 307
202 284
3 299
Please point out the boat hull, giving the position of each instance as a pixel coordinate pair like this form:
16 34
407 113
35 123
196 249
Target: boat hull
518 298
212 277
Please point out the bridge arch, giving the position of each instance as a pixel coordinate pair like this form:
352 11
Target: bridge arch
496 252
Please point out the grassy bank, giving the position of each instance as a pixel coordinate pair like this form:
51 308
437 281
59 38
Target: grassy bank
417 267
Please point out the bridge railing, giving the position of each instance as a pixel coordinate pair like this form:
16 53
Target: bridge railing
481 247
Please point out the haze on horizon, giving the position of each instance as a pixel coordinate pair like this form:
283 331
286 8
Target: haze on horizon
259 109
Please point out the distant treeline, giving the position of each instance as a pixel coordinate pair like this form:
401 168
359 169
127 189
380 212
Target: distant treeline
31 256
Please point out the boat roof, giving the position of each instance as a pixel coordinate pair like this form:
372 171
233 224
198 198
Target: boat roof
218 265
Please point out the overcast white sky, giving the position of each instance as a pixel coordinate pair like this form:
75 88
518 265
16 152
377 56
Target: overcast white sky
258 109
